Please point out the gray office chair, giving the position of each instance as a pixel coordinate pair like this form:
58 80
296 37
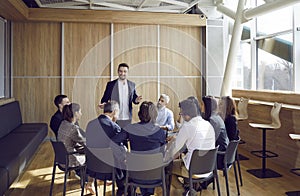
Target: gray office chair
61 160
100 161
146 167
202 162
229 161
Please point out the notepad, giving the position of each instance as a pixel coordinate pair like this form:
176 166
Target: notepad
295 136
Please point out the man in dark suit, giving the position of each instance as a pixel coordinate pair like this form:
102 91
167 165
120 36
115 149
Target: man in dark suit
59 101
123 91
103 132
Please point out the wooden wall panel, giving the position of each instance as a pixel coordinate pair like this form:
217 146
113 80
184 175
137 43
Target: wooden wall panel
136 45
87 63
84 43
36 49
180 49
36 97
36 68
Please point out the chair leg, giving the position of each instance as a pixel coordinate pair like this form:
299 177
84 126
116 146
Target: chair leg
164 187
239 168
96 186
132 190
52 181
126 185
113 184
82 180
217 181
226 180
104 188
236 179
65 182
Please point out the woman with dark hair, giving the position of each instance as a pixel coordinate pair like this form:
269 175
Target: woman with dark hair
69 134
211 115
228 112
146 137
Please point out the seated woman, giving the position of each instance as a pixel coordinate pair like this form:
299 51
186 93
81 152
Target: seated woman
211 115
69 134
145 136
228 113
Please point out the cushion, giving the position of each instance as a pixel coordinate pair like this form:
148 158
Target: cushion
3 181
32 127
10 117
16 150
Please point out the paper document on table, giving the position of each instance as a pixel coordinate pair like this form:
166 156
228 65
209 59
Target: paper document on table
295 136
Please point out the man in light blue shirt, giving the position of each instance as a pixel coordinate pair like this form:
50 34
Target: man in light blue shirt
165 118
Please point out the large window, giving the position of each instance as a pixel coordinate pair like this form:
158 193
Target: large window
269 52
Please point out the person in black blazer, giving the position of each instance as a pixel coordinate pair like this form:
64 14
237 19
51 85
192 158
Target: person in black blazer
123 91
60 101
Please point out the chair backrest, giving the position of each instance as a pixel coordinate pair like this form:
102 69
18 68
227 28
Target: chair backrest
61 153
243 108
230 153
203 161
275 115
145 166
99 160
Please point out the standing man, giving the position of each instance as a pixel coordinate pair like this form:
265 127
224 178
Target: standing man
60 101
165 117
122 91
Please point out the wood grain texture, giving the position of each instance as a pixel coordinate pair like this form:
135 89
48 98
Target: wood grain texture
69 15
15 10
36 49
86 45
269 96
36 69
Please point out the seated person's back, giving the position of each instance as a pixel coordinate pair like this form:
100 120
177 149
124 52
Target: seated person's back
146 137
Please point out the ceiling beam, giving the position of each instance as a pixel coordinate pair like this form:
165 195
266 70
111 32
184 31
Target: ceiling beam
68 15
13 10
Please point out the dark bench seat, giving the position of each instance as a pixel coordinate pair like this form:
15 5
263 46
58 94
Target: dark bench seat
18 143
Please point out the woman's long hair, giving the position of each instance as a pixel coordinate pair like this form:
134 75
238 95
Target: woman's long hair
69 111
210 105
228 107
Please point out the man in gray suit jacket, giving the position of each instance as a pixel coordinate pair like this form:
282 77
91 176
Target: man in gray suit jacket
123 91
103 132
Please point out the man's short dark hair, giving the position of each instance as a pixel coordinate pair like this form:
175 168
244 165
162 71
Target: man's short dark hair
58 99
189 108
123 65
111 106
